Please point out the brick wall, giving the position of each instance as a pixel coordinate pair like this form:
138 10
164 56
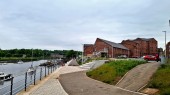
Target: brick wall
133 46
88 49
153 47
147 46
112 51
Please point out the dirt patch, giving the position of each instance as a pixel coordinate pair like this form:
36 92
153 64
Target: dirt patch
150 91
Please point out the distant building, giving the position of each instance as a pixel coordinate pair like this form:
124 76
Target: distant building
147 46
168 50
104 48
53 55
134 48
88 50
141 46
131 48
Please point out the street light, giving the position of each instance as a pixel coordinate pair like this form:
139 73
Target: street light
82 53
112 51
165 43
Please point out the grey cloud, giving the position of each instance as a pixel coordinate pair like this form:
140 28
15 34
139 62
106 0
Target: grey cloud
67 24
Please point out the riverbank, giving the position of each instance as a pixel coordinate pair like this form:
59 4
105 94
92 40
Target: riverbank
16 59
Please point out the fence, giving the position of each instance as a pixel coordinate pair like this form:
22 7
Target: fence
21 82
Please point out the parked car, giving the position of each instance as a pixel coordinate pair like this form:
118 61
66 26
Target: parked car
151 58
122 56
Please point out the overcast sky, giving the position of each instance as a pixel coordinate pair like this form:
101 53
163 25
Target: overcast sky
67 24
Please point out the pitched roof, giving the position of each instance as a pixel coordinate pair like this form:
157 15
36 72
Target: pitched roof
88 44
130 41
145 39
114 44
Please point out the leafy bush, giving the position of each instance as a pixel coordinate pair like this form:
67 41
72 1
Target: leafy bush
113 70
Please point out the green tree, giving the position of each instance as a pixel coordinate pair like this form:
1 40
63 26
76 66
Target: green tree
71 54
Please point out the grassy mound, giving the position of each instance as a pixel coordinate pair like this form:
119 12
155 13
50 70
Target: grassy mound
112 71
161 80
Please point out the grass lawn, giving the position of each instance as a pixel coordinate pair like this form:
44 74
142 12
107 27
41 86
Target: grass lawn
112 71
161 80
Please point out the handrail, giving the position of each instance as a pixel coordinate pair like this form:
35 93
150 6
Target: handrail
15 86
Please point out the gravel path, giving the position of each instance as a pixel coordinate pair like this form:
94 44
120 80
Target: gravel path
138 77
79 84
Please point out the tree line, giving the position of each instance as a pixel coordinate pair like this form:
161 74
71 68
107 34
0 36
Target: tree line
37 53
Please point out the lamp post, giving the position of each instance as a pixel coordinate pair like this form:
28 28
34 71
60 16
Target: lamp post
82 53
165 43
112 51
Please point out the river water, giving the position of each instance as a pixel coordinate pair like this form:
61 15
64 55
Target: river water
18 71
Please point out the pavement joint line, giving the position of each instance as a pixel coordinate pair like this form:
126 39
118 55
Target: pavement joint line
122 78
142 87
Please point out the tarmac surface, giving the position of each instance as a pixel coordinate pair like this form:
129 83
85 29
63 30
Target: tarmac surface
79 84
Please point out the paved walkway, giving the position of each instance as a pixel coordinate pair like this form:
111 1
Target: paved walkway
50 85
53 87
138 76
79 84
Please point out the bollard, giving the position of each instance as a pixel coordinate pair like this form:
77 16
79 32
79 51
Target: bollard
40 73
51 69
45 71
34 76
11 85
48 70
25 81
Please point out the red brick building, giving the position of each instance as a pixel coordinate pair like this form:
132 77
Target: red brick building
168 50
104 48
88 49
133 47
141 46
147 46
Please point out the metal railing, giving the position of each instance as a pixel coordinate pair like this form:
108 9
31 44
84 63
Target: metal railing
15 86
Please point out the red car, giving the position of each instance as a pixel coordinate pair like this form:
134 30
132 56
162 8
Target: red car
151 58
